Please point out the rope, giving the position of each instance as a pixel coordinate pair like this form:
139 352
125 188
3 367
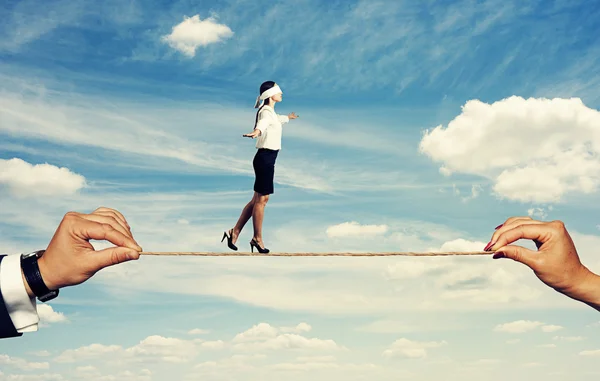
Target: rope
383 254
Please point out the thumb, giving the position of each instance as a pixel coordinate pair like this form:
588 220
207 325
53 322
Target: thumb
111 256
516 253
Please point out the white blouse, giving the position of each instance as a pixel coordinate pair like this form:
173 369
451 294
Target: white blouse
270 126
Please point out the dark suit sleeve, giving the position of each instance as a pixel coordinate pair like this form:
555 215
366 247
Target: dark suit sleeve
7 329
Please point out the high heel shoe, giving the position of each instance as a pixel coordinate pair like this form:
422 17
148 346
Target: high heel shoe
229 240
261 250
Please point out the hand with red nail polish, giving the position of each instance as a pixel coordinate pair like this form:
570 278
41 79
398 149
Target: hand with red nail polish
556 263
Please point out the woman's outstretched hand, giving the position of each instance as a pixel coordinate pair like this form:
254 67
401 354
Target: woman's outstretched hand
556 263
253 134
292 116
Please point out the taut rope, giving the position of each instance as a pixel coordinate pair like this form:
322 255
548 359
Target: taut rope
332 254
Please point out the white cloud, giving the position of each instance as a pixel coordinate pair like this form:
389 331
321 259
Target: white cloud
354 229
198 331
568 338
34 377
289 341
194 32
320 368
551 328
213 345
539 213
42 353
86 369
461 244
590 353
87 352
48 315
259 337
25 179
166 348
22 364
264 336
412 269
302 327
518 326
565 158
547 346
475 192
406 348
316 358
260 331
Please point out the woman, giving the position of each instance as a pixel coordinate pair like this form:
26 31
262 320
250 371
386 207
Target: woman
268 129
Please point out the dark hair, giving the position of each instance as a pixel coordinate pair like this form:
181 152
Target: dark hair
264 87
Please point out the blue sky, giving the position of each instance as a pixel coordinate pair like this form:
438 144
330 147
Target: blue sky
423 125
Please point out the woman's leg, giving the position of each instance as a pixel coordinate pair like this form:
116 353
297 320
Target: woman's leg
257 217
244 217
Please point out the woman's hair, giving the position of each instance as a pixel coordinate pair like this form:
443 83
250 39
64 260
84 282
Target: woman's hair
264 87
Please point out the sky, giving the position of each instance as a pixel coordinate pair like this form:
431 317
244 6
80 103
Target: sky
423 125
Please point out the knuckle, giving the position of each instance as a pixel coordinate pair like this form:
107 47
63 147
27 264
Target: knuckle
70 215
517 254
114 259
558 225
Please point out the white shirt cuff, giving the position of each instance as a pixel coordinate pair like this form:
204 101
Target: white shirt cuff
283 118
21 308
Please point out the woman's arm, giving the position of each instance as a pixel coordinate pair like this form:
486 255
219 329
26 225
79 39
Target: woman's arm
556 263
261 126
287 118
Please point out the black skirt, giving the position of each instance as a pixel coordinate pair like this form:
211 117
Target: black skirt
264 169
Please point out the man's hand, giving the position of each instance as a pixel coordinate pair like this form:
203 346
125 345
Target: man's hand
70 259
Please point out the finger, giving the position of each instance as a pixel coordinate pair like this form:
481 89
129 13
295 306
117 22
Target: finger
518 254
111 256
511 219
531 230
114 216
115 213
511 225
110 220
101 232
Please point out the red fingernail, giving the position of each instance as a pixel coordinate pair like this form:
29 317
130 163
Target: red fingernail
498 255
498 227
490 244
